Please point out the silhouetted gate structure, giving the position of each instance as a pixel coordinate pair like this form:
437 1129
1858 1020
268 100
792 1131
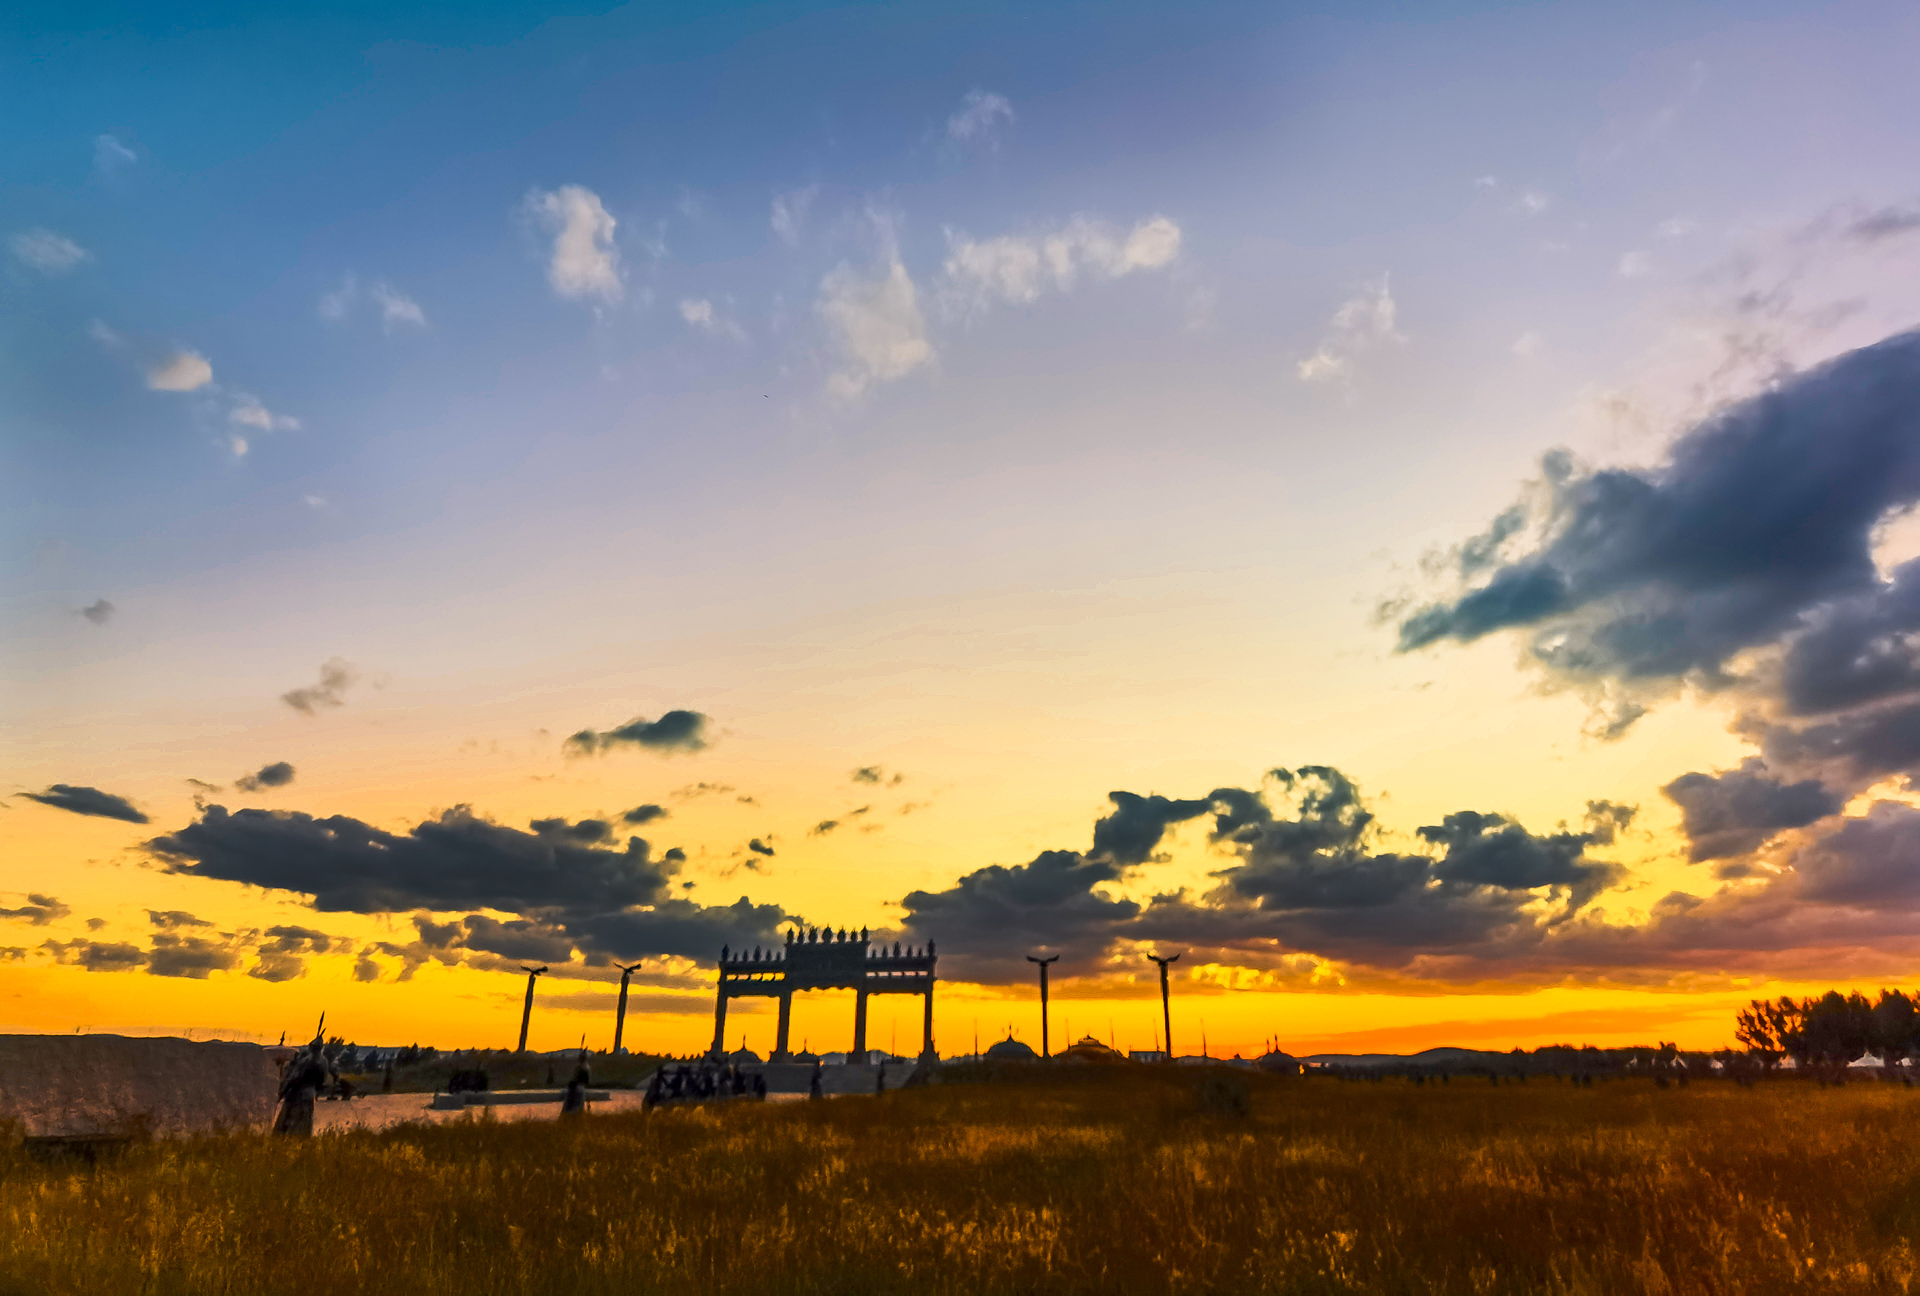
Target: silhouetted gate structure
824 961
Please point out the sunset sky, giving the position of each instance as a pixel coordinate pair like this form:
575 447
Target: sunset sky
1406 504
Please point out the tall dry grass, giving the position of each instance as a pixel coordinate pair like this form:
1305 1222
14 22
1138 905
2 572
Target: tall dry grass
1068 1181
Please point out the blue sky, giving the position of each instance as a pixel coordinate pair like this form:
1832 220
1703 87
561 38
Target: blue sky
1050 396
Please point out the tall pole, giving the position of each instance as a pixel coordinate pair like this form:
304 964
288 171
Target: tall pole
1166 1013
620 1014
526 1013
1043 999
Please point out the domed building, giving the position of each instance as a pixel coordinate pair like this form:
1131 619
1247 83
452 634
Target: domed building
1089 1049
1011 1050
1277 1063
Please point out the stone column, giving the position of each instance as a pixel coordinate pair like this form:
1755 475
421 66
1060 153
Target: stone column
720 1023
786 1015
860 1026
926 1050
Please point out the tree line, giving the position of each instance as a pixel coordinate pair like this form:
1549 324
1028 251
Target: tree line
1828 1033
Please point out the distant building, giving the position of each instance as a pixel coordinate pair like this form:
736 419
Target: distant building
1012 1050
1089 1049
1278 1063
1146 1055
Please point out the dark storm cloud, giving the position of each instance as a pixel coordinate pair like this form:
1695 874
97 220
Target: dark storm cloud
87 801
759 847
643 814
336 677
1868 863
993 916
97 956
1491 850
1309 877
1758 517
677 927
458 861
1133 831
675 731
99 611
278 774
38 910
1735 812
523 939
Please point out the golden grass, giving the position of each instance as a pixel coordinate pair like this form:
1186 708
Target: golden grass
1091 1180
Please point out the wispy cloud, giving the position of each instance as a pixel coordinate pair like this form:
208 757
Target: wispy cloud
397 309
110 155
790 213
1017 268
1363 322
48 252
874 320
584 261
979 118
700 313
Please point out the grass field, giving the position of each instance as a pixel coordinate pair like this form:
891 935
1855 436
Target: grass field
1070 1180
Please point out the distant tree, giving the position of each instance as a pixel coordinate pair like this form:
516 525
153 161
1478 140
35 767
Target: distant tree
1838 1029
1896 1027
1770 1030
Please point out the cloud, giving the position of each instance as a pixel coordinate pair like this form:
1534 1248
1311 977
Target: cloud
1735 812
109 154
1362 323
336 677
759 847
397 309
1528 345
456 861
97 956
877 776
679 928
1308 879
192 957
278 774
873 319
87 801
979 118
790 213
1634 265
699 312
246 412
1754 534
1018 268
47 252
584 261
674 731
173 919
822 828
99 611
282 955
38 910
183 371
1886 223
643 814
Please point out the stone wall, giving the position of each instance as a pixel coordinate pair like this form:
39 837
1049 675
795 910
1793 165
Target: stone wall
77 1085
